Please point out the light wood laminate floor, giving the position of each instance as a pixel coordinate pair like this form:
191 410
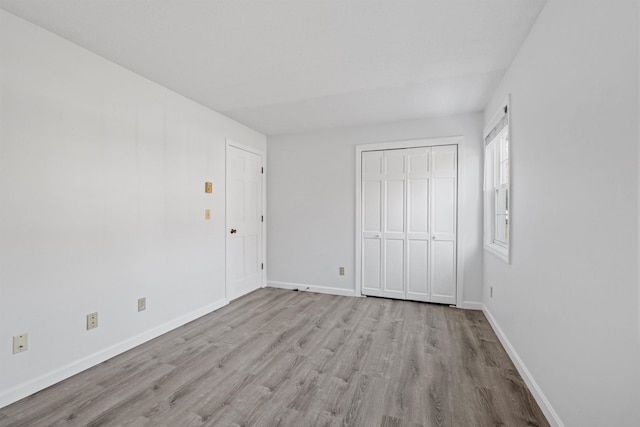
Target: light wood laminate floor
277 357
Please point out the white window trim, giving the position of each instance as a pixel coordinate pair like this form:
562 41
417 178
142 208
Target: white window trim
498 249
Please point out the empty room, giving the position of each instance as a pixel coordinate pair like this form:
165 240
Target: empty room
320 213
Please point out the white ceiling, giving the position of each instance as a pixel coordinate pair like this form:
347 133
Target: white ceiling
283 66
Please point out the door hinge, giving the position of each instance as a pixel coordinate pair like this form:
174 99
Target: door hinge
262 266
262 218
261 170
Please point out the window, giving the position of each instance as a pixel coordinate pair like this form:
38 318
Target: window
496 184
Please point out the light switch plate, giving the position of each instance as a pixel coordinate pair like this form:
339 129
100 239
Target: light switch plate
20 343
142 304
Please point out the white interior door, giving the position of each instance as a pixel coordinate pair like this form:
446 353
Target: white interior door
244 222
409 199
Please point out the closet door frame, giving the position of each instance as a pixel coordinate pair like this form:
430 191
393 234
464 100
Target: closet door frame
414 143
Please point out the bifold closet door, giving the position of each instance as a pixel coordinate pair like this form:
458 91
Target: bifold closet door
408 223
443 223
372 223
418 250
394 204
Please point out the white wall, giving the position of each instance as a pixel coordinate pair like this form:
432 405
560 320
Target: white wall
101 202
568 303
311 209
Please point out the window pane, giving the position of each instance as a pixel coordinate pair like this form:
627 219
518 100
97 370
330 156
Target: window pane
503 158
502 215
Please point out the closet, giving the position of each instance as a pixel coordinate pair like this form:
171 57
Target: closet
409 204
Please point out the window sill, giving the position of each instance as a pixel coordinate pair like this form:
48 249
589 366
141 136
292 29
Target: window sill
499 251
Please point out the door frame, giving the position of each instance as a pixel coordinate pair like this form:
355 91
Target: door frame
263 230
413 143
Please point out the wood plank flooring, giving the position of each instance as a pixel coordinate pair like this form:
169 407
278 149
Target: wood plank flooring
286 358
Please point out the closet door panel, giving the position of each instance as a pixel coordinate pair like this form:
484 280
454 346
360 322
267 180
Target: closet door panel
418 191
372 199
444 209
443 269
394 206
418 205
443 224
394 269
372 254
418 270
394 214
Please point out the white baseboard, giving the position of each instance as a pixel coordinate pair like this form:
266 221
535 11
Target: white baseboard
73 368
537 393
472 305
313 288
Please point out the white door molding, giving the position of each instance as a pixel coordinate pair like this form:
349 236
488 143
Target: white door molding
414 143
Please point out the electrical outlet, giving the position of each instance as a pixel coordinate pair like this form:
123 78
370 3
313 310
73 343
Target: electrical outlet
92 320
142 304
491 291
20 343
341 271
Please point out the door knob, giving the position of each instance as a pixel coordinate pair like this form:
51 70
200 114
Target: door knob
234 231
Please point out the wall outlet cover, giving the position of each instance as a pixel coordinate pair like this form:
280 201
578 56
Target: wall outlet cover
92 320
142 304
